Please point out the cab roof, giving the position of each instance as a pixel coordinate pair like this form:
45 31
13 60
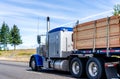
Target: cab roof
61 29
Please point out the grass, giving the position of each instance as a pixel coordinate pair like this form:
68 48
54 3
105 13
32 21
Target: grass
18 55
24 54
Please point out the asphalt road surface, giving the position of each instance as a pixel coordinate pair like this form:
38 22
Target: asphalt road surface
20 70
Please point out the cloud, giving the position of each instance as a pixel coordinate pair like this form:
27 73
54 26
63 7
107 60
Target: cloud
48 4
88 18
23 11
114 2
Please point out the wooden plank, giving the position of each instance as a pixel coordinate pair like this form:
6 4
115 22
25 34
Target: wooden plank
100 32
103 22
84 33
100 42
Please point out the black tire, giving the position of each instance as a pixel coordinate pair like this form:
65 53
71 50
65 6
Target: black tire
33 64
95 68
74 64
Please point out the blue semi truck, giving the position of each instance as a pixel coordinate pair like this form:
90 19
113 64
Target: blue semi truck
61 53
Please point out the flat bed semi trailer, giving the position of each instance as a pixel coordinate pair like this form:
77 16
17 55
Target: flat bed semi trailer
91 48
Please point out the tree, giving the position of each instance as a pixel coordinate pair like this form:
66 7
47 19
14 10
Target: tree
0 40
116 9
4 35
15 38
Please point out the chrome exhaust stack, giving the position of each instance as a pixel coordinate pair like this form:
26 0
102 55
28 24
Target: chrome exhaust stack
48 24
47 38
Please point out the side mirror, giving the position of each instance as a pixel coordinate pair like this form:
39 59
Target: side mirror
38 39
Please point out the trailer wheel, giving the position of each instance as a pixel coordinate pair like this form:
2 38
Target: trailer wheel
33 64
95 68
76 67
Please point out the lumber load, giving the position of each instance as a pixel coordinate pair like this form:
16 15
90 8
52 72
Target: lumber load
98 33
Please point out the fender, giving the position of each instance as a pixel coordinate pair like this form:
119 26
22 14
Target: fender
38 59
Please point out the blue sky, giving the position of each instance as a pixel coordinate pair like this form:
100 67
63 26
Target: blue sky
25 14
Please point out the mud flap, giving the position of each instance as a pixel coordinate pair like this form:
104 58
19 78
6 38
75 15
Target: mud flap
111 71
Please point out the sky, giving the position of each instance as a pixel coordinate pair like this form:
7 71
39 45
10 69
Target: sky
30 15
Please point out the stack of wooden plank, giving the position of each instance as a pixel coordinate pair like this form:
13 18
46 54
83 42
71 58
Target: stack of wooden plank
98 33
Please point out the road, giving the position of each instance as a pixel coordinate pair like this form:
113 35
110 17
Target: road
20 70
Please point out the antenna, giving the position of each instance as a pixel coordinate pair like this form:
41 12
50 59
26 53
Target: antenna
38 25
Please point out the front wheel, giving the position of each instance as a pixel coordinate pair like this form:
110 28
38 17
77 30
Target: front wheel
76 67
33 65
95 68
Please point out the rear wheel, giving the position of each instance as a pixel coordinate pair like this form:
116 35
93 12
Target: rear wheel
76 67
95 68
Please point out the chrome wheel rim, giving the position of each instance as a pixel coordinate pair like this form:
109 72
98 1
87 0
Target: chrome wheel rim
75 68
93 69
33 64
